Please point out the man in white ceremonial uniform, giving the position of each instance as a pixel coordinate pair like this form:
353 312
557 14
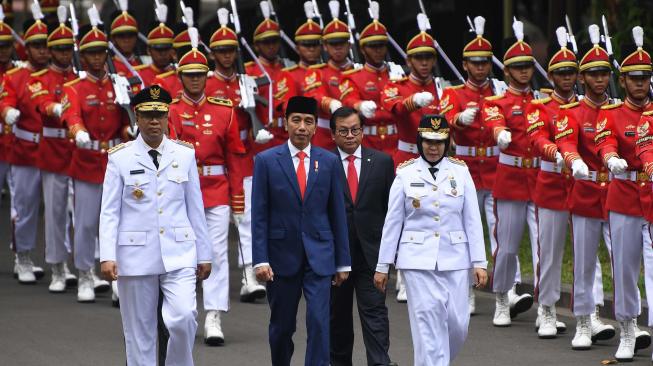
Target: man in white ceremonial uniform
153 234
433 228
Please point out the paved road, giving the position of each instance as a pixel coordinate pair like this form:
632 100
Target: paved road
38 328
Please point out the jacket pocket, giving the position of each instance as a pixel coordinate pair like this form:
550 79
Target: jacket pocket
412 237
178 177
132 238
143 180
277 234
457 237
184 234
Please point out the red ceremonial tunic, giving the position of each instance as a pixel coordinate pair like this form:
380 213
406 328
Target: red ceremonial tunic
170 82
149 72
6 136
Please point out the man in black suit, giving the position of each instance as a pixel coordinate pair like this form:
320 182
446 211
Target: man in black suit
368 175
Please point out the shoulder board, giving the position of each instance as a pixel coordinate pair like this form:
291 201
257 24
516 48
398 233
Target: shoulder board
541 101
406 163
494 97
220 101
141 67
184 143
349 72
454 87
570 105
456 161
175 100
166 74
546 90
290 68
14 70
647 113
317 66
117 147
40 72
612 106
72 82
249 63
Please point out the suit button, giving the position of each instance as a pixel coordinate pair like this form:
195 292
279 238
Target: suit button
158 174
436 204
436 218
437 234
161 231
160 211
435 189
159 193
411 238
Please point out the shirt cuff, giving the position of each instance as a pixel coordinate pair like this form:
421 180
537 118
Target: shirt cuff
261 264
343 269
480 264
204 262
383 268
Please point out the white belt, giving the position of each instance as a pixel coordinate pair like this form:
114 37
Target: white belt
407 147
58 133
243 135
380 130
600 177
518 161
550 167
477 151
100 145
323 123
209 170
27 135
633 176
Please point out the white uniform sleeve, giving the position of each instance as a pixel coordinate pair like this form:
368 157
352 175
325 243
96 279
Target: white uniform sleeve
110 211
472 223
195 212
394 222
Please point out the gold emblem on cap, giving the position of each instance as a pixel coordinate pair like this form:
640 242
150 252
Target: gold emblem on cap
435 123
155 93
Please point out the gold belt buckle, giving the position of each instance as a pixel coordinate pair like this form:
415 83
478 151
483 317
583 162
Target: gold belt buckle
7 129
603 177
481 151
382 131
527 162
642 177
104 145
200 170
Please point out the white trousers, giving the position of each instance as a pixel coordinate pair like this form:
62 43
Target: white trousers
438 314
245 227
552 232
88 199
216 287
55 203
512 217
139 296
27 200
647 245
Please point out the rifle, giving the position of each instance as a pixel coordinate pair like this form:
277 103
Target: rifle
354 36
75 27
268 11
395 71
187 18
247 84
614 93
310 8
574 47
499 87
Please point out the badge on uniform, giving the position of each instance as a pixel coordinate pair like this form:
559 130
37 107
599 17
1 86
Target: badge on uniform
453 184
416 203
137 193
138 171
417 184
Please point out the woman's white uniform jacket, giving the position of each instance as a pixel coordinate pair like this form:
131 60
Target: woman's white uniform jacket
433 222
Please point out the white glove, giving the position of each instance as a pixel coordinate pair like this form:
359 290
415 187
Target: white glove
616 165
422 99
263 136
467 116
368 108
57 110
12 116
82 138
559 159
335 104
503 139
237 218
579 169
132 131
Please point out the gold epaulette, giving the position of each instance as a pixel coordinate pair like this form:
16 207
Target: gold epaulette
546 90
541 101
220 101
14 70
290 68
72 82
570 105
612 106
494 97
174 100
40 72
166 74
184 143
647 113
116 148
249 63
349 72
141 67
406 163
456 161
454 87
317 66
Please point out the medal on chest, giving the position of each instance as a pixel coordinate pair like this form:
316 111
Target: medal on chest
453 184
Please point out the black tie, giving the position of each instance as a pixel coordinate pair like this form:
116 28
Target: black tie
434 171
155 157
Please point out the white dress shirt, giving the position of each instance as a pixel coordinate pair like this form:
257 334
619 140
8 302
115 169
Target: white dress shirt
357 162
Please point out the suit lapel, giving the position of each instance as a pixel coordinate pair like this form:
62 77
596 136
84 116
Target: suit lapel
285 161
313 171
343 177
142 156
367 162
168 154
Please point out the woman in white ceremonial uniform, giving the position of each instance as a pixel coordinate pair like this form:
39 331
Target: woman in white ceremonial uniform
433 229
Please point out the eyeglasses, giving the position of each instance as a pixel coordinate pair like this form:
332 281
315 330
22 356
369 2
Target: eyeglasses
344 132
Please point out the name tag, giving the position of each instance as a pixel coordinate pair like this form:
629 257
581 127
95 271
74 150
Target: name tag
138 171
417 184
629 133
517 113
589 129
92 102
188 123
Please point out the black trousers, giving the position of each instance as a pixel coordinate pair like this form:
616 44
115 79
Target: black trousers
372 312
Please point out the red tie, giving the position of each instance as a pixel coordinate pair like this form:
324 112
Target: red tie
352 177
301 173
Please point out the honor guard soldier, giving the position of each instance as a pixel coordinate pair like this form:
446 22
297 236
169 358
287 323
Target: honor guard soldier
516 172
267 42
473 139
629 194
335 39
55 146
361 89
210 124
169 79
97 124
124 34
154 238
411 97
574 136
433 228
19 111
223 84
159 47
6 136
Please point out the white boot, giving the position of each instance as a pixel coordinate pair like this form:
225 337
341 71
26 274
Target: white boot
518 303
38 271
583 338
642 337
58 283
99 285
560 326
626 349
547 328
71 279
115 298
600 330
251 289
85 291
401 289
213 335
25 268
502 310
471 300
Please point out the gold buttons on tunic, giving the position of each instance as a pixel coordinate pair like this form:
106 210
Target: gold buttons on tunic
436 218
437 234
161 231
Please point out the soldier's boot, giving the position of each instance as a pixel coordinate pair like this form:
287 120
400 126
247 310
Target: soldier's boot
600 330
115 297
401 289
583 338
547 328
626 349
251 289
519 303
99 285
213 335
38 271
58 282
642 337
502 310
71 279
560 326
24 268
471 300
85 287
